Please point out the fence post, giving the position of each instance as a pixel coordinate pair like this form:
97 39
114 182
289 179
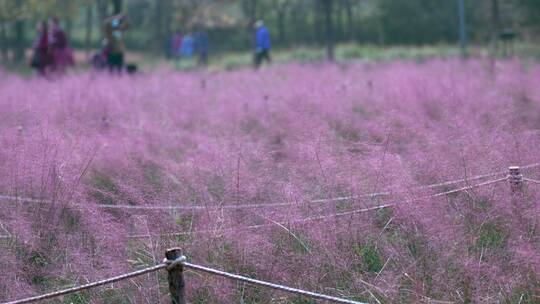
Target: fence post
515 178
176 277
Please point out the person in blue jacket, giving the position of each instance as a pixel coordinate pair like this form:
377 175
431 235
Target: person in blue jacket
262 44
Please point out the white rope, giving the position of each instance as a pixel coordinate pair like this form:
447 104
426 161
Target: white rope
21 199
236 277
272 205
88 286
7 234
463 180
534 181
470 187
198 207
227 230
170 265
322 217
530 166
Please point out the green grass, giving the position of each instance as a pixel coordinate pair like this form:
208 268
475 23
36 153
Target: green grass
344 53
491 235
104 187
356 52
371 256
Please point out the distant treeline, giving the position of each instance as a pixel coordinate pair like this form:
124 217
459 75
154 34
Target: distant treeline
291 22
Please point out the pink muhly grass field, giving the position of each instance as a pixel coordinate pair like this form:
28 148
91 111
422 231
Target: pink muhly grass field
288 134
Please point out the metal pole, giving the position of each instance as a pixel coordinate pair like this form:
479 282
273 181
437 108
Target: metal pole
462 28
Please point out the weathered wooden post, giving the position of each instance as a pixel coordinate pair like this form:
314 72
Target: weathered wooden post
176 275
515 178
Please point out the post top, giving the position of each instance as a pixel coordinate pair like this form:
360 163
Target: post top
173 253
513 168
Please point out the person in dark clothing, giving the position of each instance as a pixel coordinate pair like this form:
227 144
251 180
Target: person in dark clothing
262 44
40 57
201 47
60 53
114 28
176 45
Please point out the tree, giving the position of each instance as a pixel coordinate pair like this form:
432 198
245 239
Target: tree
117 6
419 21
327 6
281 7
530 11
3 39
350 21
89 27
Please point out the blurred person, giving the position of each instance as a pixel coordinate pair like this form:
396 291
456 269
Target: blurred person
262 44
201 47
99 61
187 46
176 45
114 28
61 54
40 56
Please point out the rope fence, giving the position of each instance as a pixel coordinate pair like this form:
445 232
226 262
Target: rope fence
304 293
200 207
322 217
534 181
254 227
514 176
64 292
175 263
272 205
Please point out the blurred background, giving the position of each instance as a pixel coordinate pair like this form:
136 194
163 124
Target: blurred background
304 30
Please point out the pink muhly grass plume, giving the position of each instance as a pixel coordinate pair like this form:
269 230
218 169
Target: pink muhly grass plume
294 135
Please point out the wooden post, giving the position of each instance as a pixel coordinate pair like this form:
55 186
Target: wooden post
176 277
515 179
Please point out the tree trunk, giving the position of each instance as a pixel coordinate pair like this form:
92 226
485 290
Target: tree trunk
158 29
281 24
462 28
103 13
350 22
168 31
339 30
117 6
250 9
89 29
253 12
3 40
318 22
495 22
69 27
296 22
381 30
19 41
328 5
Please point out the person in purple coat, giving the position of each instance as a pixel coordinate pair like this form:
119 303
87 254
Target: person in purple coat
60 52
40 57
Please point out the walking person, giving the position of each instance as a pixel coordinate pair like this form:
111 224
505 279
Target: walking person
201 47
262 44
114 28
40 56
61 54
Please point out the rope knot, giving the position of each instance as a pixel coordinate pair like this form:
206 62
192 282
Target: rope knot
171 264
